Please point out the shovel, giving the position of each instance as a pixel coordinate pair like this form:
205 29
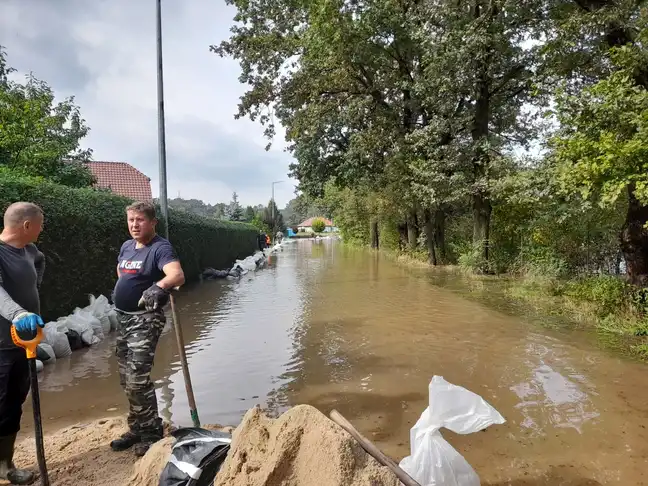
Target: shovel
30 348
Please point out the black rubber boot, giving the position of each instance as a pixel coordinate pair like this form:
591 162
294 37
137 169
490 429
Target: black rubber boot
126 441
149 437
8 470
142 447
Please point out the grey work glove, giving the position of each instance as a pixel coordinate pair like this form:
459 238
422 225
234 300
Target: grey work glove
154 298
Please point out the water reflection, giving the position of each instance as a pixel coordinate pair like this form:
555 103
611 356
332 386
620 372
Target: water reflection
563 398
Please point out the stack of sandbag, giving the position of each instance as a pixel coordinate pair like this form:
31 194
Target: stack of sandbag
102 310
84 327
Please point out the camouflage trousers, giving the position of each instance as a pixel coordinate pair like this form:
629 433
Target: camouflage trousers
137 338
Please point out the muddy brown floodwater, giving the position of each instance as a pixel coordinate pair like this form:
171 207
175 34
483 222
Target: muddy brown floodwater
336 327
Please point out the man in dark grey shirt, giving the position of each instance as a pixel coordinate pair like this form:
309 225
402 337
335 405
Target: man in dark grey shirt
21 272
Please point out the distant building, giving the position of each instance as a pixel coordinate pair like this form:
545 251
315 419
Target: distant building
123 179
307 226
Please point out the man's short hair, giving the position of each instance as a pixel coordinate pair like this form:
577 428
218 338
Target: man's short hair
146 208
19 212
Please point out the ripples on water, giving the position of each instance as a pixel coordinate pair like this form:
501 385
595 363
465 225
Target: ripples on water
337 327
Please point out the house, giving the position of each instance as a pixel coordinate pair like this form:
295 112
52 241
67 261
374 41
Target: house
123 179
307 226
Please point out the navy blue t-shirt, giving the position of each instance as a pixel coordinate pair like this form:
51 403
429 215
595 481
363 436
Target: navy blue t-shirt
139 268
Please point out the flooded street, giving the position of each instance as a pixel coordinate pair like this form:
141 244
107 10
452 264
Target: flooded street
341 328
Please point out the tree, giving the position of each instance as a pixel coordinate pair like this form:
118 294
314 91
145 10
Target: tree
601 153
38 136
272 218
598 48
234 210
260 224
319 225
220 211
250 214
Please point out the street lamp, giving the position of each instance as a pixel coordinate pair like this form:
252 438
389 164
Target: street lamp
272 206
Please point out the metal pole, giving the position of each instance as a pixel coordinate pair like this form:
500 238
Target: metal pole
161 134
165 215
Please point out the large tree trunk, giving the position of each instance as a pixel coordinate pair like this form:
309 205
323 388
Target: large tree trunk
428 226
375 235
482 210
439 234
412 230
634 240
481 203
402 236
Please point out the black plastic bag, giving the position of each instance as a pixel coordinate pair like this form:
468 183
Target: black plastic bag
196 457
42 355
74 338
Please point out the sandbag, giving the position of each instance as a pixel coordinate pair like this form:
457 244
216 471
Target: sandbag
95 324
114 320
196 457
45 353
100 308
39 366
84 324
57 340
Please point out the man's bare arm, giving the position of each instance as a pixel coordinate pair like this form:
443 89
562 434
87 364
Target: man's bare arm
174 276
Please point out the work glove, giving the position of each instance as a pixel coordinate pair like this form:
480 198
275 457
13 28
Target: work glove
155 297
27 321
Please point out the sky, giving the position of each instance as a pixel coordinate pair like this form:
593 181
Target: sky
104 53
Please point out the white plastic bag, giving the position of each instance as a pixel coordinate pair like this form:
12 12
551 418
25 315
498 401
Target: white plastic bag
433 461
57 339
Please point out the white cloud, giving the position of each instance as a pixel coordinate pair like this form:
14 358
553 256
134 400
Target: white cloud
104 53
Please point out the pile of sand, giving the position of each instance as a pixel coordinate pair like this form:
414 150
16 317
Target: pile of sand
81 455
300 448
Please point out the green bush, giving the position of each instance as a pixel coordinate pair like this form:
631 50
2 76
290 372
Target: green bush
85 228
610 294
319 225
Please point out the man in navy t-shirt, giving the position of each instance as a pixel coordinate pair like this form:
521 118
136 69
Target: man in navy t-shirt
147 269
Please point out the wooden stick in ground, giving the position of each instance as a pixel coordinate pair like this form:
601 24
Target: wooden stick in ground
371 449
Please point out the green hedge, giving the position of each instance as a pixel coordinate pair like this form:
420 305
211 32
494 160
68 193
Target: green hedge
85 228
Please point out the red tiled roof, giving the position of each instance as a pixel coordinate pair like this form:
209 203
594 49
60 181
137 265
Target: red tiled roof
309 222
123 179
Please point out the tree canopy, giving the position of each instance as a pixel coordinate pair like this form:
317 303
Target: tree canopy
39 136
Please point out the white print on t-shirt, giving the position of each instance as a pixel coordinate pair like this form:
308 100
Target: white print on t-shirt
130 266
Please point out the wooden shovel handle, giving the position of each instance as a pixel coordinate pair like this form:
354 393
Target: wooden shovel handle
371 449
